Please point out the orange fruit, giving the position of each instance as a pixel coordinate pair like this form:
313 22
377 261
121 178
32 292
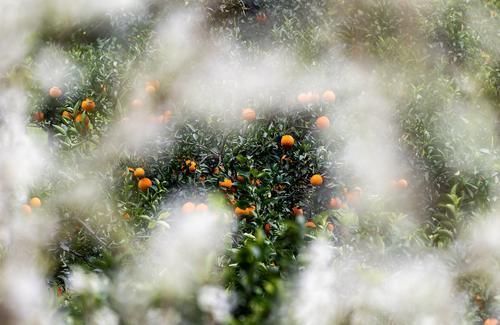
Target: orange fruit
307 98
88 105
297 211
139 172
55 92
78 119
137 103
144 184
316 180
239 211
38 116
244 212
67 115
329 96
322 122
335 203
35 202
267 228
248 114
192 166
150 89
227 183
201 207
240 179
491 321
152 86
26 209
402 183
287 141
310 224
188 208
303 98
330 227
167 115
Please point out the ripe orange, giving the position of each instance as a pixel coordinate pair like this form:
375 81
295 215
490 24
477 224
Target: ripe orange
330 227
26 209
167 115
152 86
239 211
491 321
322 122
267 228
316 180
402 183
55 92
307 98
188 208
248 114
227 183
35 202
192 166
88 105
287 141
201 208
144 184
67 115
240 179
78 119
137 103
310 224
244 212
38 116
303 98
329 96
297 211
139 172
335 203
150 89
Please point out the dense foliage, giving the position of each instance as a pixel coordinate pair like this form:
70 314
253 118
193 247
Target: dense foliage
430 58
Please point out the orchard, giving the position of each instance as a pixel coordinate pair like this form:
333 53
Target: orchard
250 162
